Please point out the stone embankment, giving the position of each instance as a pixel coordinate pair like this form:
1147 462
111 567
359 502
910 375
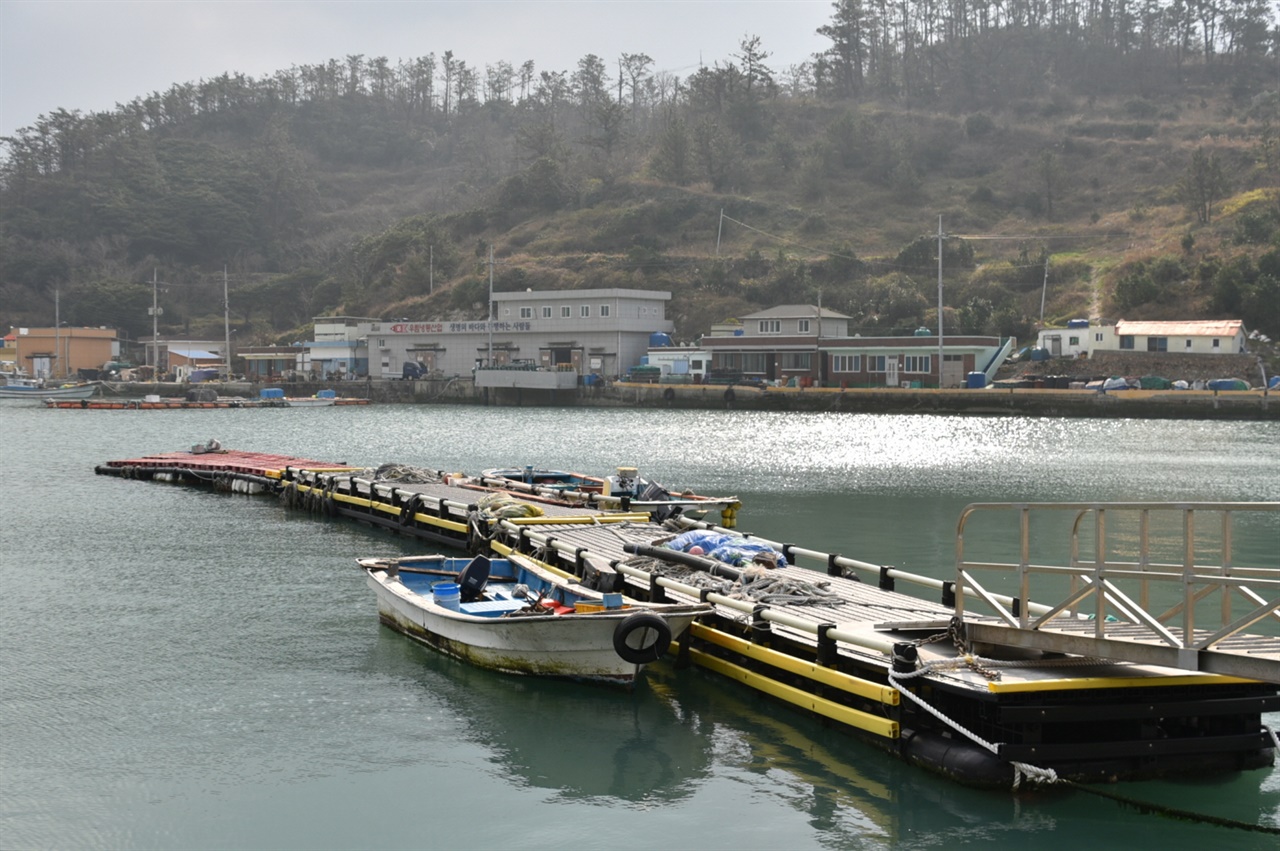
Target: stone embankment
1173 366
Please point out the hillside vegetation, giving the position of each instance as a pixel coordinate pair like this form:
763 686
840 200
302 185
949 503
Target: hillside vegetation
1080 162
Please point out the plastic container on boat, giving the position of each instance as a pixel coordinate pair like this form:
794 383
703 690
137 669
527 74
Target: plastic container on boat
447 594
976 380
271 393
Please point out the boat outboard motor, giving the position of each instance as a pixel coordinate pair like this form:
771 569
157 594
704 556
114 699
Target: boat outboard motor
473 578
624 484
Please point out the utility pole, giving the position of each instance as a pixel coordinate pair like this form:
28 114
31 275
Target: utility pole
1044 289
490 323
940 345
431 269
719 231
57 336
226 319
155 325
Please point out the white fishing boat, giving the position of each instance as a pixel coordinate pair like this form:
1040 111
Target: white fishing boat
515 616
33 388
310 402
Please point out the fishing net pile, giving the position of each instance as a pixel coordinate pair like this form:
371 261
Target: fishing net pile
501 506
404 474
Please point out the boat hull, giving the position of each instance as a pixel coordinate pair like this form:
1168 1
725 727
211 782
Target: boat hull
577 646
79 391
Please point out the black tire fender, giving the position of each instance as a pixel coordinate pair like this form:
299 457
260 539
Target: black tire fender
669 394
408 509
642 638
729 395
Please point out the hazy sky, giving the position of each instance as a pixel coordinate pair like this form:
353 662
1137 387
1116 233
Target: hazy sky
92 54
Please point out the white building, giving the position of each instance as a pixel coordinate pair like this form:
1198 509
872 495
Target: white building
580 332
1199 337
1076 339
689 361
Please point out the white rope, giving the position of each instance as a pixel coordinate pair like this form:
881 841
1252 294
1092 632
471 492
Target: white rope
1020 769
1274 738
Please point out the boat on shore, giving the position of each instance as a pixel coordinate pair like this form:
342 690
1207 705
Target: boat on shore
36 388
514 616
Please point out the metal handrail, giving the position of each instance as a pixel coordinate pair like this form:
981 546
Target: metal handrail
1097 581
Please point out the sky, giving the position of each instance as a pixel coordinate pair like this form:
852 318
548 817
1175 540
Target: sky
92 54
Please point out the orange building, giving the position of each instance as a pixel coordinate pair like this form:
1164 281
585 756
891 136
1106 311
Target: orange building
60 352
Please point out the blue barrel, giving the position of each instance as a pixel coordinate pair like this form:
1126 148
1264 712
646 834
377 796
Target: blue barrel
447 594
271 393
976 380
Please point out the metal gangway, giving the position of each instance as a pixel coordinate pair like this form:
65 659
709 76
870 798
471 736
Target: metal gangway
1148 583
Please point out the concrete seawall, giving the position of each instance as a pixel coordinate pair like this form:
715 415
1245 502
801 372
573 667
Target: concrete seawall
1145 404
1149 404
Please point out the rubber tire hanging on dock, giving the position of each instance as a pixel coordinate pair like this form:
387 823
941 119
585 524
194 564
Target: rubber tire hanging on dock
408 509
639 626
729 395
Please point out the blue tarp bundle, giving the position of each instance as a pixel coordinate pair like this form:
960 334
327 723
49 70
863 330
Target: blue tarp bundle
730 549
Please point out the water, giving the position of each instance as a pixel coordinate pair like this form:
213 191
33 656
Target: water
184 669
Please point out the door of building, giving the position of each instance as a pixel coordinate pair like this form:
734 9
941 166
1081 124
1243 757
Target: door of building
953 371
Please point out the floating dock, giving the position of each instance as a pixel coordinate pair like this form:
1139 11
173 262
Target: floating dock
986 688
184 404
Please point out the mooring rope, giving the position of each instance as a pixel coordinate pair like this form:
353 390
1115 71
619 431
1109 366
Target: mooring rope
1146 807
1020 769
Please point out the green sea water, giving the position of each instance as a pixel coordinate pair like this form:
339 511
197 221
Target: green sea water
186 669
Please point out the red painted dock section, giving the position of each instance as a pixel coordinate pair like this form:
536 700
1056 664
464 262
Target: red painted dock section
175 404
227 461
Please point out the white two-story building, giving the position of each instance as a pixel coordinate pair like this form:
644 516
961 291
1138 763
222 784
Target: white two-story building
600 332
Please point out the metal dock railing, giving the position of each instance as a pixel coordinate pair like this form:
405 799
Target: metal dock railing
1149 589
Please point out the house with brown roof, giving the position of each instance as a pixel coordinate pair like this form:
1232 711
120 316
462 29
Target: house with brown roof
811 346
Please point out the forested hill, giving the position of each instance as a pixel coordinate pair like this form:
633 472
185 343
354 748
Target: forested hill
1095 158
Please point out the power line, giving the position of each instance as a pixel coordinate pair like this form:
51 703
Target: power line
1039 237
791 242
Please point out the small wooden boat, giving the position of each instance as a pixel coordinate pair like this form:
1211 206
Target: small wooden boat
551 480
627 490
32 388
310 401
515 616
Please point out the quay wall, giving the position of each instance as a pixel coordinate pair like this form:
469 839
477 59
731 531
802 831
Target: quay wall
1144 404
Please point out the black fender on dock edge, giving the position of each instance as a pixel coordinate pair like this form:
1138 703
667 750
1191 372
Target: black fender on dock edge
957 759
